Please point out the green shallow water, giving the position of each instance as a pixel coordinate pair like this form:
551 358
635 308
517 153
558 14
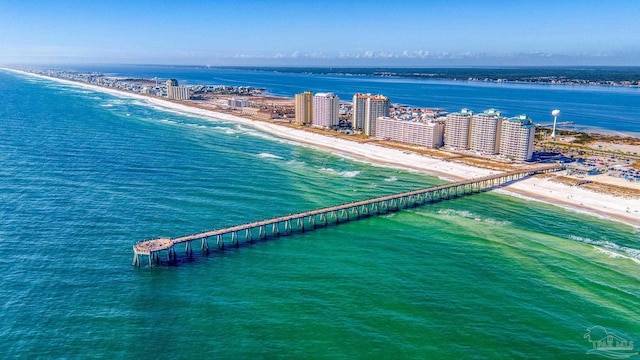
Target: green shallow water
85 175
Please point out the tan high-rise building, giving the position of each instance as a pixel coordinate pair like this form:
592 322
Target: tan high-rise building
517 136
485 132
304 108
457 128
326 107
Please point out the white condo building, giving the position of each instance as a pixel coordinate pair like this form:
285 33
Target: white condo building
377 106
485 132
325 110
177 92
359 108
517 136
457 128
427 134
238 103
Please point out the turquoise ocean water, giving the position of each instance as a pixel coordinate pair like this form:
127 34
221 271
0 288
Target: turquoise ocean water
84 175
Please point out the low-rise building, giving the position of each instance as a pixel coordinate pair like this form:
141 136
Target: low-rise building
427 134
237 103
266 115
251 111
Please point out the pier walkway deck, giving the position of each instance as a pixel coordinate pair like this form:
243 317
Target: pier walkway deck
309 220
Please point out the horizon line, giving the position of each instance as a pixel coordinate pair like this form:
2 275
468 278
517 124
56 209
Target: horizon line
336 66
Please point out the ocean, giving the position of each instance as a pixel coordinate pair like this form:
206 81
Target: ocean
84 175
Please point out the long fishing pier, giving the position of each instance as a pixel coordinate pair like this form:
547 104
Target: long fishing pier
310 220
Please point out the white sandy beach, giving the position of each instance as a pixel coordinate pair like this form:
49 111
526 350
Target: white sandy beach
620 209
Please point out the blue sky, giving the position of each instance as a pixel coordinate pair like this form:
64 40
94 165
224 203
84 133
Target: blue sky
365 33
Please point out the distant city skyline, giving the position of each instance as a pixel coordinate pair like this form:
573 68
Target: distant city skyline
329 33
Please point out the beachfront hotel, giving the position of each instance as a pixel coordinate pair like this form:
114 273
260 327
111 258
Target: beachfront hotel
304 108
326 107
485 132
517 136
366 109
177 92
377 106
237 103
359 108
427 134
457 130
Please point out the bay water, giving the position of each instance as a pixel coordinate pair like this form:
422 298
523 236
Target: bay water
84 175
603 109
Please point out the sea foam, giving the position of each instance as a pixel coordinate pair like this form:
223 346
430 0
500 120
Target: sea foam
610 248
469 215
269 156
346 174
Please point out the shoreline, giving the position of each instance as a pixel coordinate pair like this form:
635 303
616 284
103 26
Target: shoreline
470 77
623 210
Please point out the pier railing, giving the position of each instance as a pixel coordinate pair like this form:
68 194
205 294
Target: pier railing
310 220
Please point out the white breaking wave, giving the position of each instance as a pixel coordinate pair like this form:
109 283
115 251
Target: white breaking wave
266 136
137 103
610 248
224 129
116 102
75 91
269 156
296 162
346 174
459 213
349 174
390 179
497 222
470 215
